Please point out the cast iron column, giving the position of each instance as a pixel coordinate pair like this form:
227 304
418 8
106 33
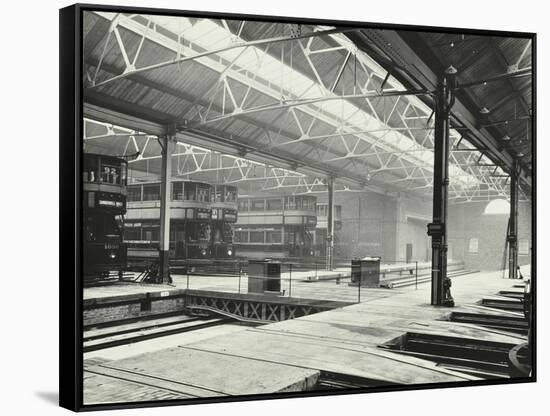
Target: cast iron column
513 231
167 143
444 100
330 224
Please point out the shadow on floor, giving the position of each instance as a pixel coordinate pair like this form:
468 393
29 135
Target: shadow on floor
52 397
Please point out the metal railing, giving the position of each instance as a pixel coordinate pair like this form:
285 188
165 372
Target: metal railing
303 279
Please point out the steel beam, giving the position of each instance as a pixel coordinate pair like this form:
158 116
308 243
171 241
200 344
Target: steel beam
148 34
330 224
415 70
513 229
168 145
444 100
291 103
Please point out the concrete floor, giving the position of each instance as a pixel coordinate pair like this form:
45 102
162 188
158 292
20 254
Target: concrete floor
289 354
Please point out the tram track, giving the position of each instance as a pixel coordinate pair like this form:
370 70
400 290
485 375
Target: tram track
124 333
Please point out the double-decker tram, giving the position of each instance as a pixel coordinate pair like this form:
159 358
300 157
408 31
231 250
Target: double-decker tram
224 215
321 234
190 221
104 206
276 226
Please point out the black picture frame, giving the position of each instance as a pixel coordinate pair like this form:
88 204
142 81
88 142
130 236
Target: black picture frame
70 215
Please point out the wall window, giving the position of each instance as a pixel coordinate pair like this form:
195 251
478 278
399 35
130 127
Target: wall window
151 192
273 237
274 204
243 205
177 191
134 193
523 247
256 236
257 205
473 246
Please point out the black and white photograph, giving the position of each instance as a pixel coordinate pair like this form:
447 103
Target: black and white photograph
273 207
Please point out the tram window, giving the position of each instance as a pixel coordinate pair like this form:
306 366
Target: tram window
90 169
151 192
133 233
151 234
243 205
256 236
218 235
110 174
241 236
258 205
189 191
290 202
111 226
90 229
177 191
289 237
227 233
134 193
274 204
322 210
205 231
119 220
306 203
191 232
124 174
273 236
230 194
217 194
202 194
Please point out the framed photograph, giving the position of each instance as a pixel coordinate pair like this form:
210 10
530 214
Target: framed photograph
257 207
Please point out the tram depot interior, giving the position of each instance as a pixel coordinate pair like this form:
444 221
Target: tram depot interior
275 207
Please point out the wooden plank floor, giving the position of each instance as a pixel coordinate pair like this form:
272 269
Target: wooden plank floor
342 340
188 373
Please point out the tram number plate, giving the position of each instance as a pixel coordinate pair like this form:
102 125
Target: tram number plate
164 294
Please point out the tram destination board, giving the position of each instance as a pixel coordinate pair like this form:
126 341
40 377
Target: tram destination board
258 207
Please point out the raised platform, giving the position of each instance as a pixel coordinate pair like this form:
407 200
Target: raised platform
292 353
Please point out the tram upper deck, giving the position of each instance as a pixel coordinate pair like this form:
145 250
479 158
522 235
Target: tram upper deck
282 210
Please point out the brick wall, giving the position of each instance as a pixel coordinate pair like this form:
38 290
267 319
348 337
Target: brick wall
114 309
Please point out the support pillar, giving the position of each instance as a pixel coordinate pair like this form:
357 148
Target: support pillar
168 145
444 100
330 224
513 230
